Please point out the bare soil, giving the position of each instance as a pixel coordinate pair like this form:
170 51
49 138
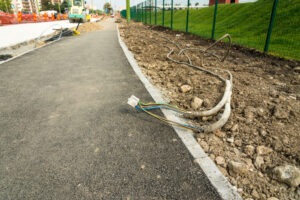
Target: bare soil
89 26
265 105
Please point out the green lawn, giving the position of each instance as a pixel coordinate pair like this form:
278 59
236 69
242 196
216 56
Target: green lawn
247 24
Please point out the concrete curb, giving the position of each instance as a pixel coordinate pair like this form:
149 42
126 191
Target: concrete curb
217 179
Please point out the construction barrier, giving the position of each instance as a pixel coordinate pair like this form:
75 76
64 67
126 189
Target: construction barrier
7 19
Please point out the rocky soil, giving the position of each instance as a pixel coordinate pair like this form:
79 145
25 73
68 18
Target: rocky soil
258 150
89 26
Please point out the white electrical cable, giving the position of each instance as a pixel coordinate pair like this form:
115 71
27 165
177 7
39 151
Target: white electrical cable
226 99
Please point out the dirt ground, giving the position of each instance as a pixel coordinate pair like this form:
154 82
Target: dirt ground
89 26
263 131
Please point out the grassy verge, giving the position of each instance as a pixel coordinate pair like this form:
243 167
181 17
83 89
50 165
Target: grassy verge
247 24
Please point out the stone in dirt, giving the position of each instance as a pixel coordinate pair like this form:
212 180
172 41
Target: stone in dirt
206 103
185 88
220 160
287 174
262 150
249 150
249 113
219 133
204 146
263 132
236 168
196 103
280 113
234 128
231 140
297 69
255 194
248 161
259 161
272 198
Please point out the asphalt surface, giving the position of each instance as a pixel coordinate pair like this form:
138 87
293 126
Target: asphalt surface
66 131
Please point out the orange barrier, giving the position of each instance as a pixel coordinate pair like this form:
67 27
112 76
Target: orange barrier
34 17
19 17
45 16
7 19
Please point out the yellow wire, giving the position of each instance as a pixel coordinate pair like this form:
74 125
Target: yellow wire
166 120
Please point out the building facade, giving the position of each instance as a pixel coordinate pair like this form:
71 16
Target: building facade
212 2
17 5
26 5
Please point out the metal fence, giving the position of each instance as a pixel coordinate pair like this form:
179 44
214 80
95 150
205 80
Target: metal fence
267 25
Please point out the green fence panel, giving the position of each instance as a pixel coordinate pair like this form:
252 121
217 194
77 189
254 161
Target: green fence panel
247 23
285 38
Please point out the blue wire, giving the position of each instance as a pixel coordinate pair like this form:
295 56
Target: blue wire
154 107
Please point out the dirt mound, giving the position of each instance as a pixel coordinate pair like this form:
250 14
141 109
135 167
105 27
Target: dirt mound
89 26
263 131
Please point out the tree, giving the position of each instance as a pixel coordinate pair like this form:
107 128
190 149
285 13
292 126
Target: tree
47 5
197 4
5 5
107 6
64 6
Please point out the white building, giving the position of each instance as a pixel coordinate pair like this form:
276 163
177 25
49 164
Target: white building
26 5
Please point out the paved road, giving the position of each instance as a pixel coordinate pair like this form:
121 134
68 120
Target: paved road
67 133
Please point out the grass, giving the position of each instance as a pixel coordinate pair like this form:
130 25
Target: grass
247 23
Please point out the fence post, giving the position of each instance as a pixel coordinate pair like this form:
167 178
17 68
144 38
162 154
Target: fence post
214 22
155 12
139 10
145 12
150 10
137 13
163 14
142 11
270 26
171 14
187 17
128 10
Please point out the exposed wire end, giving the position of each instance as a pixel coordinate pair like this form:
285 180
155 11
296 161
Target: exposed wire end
133 101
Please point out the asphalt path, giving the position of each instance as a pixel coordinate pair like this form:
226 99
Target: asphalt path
66 131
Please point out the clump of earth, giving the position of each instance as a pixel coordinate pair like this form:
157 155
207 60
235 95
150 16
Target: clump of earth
258 149
89 26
